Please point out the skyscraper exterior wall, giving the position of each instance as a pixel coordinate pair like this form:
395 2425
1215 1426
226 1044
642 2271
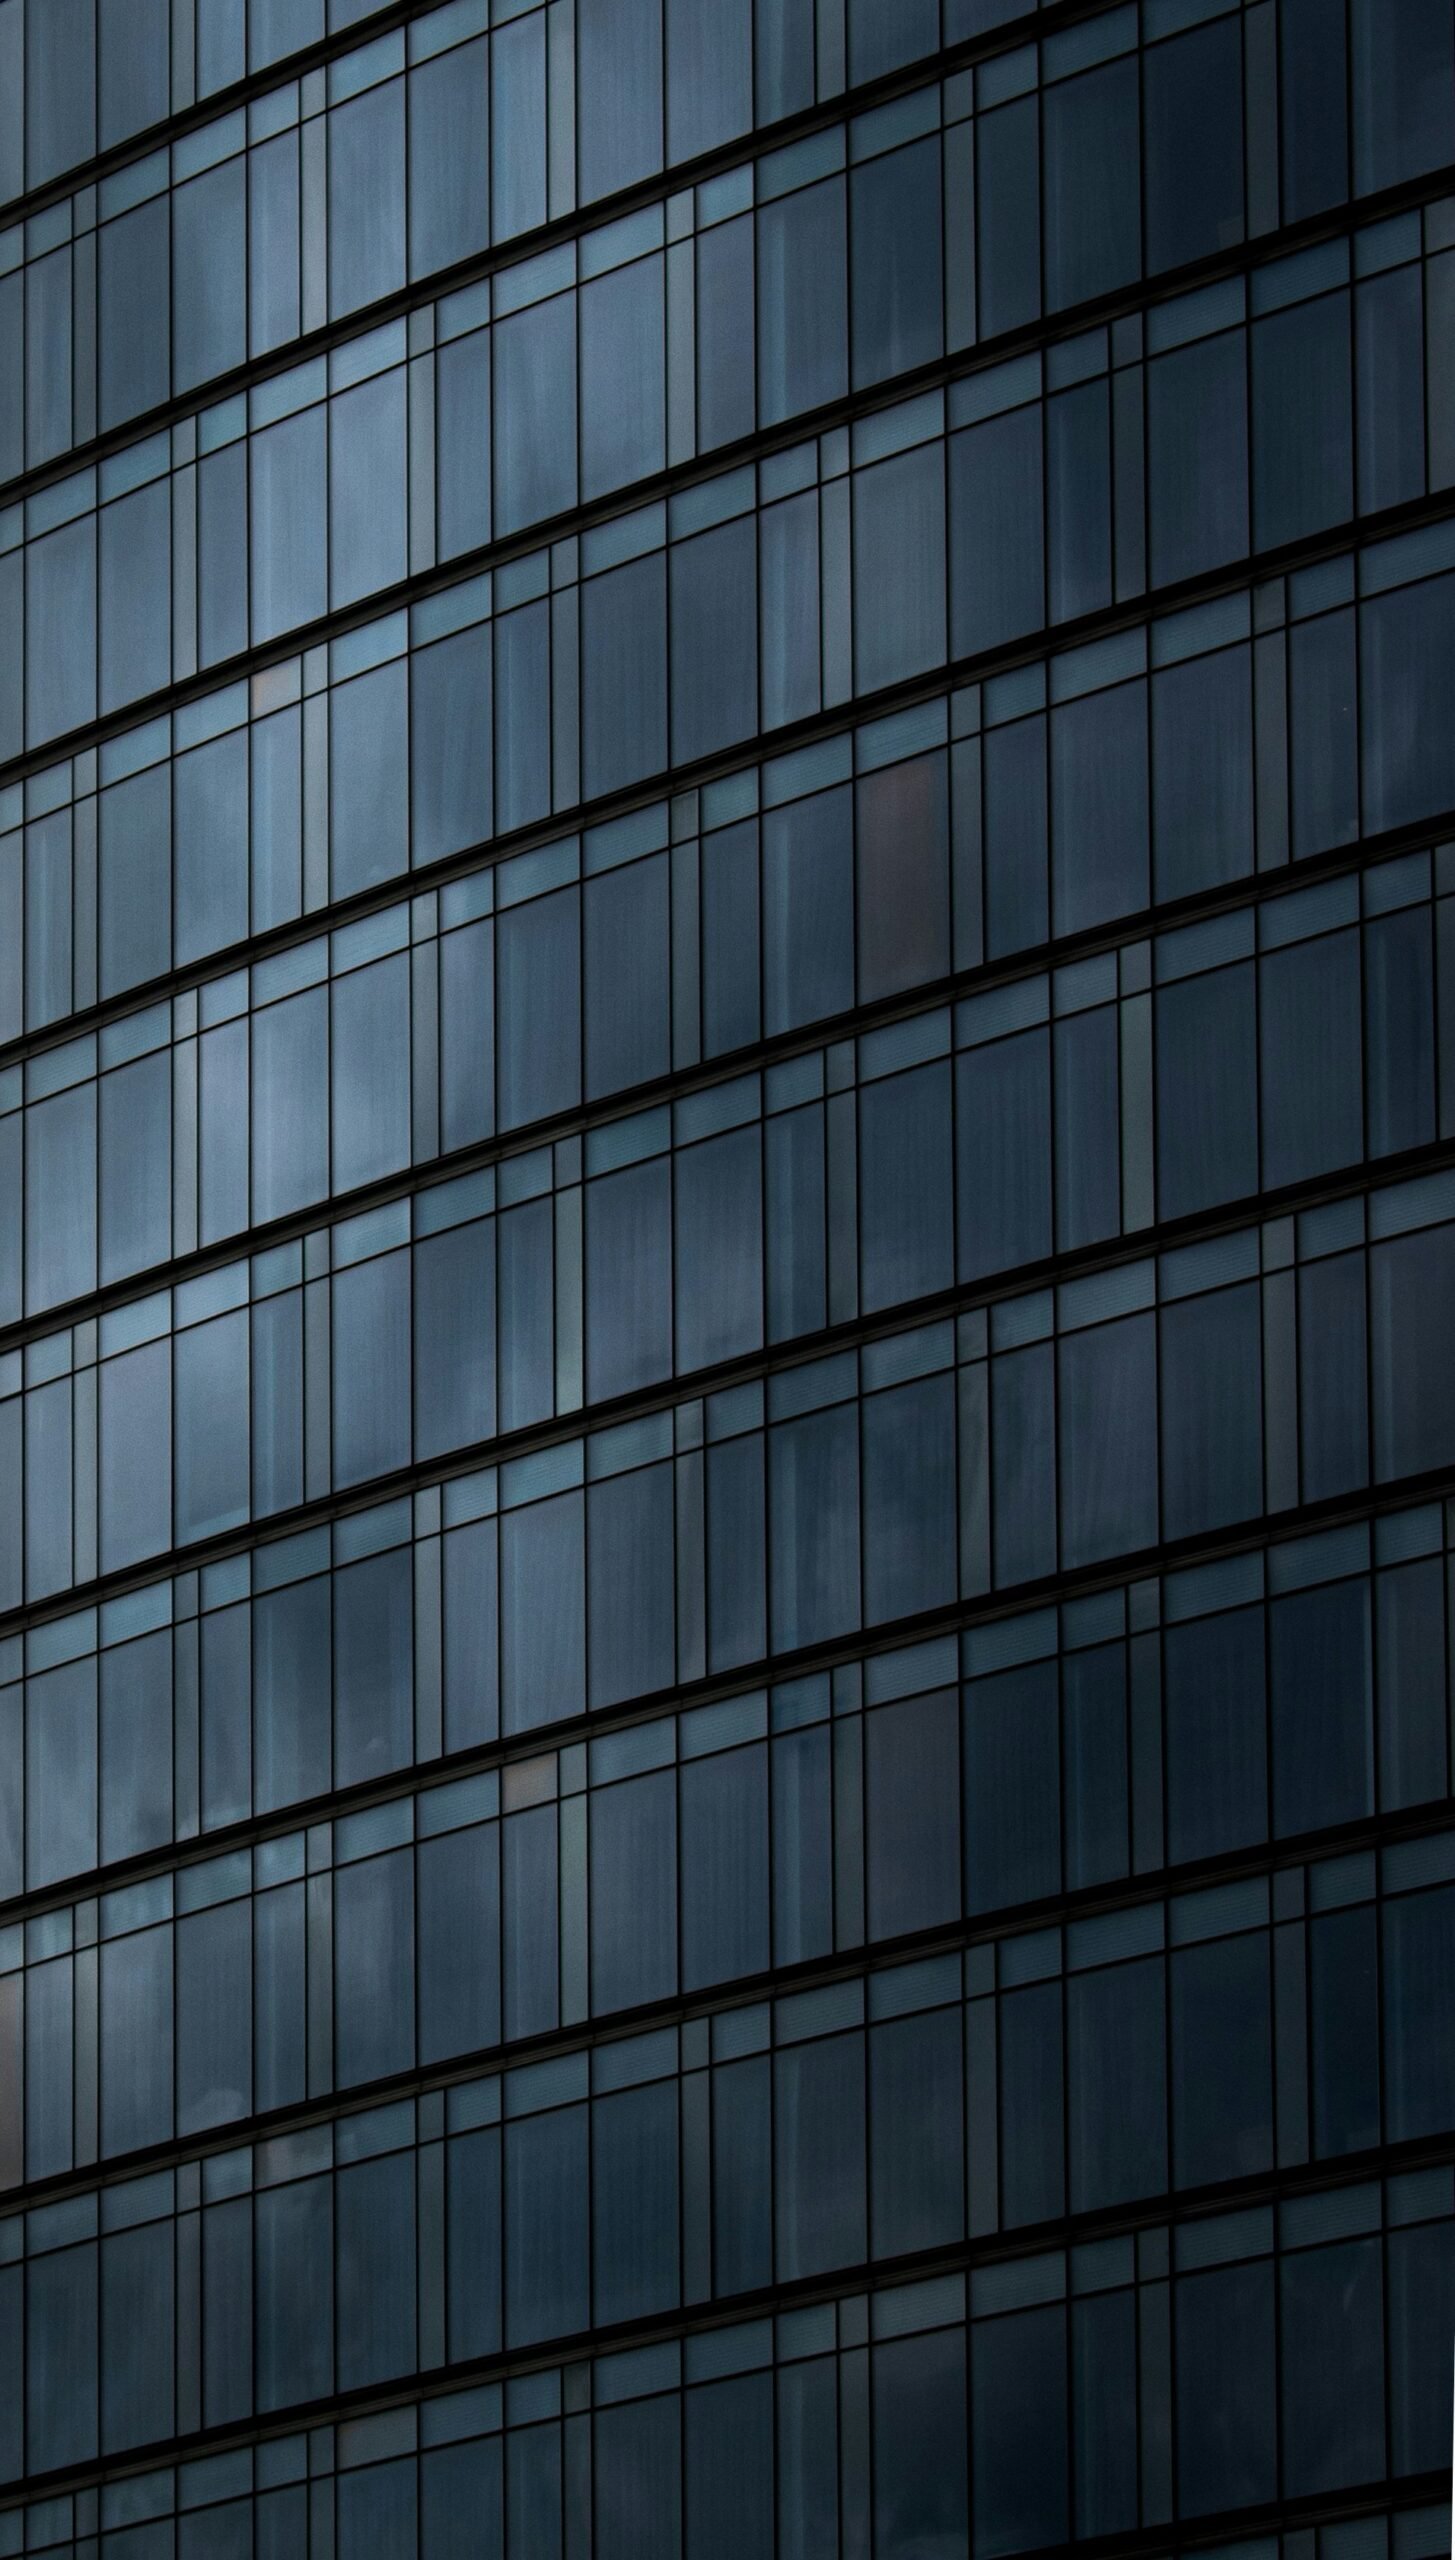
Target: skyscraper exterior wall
727 1252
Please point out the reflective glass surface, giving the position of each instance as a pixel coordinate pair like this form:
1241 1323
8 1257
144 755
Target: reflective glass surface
727 1429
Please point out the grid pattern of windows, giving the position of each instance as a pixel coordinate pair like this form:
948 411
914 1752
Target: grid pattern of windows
915 229
788 2142
1025 493
727 1219
365 1052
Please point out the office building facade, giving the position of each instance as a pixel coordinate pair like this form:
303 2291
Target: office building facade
727 1231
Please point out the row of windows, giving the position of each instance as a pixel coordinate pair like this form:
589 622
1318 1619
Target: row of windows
1202 2377
1053 1433
846 1179
215 251
1157 764
1143 1421
437 2509
396 1959
1193 1745
80 76
651 958
1155 453
774 2447
83 75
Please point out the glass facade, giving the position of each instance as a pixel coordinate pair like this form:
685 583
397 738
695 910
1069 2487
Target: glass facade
727 1228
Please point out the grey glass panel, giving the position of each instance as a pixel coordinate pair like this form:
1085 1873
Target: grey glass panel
899 552
136 1498
454 1330
374 1977
136 2040
818 2157
995 569
1320 1682
371 1334
273 262
896 218
518 86
135 609
802 328
808 910
1212 1401
373 1658
60 626
367 484
1194 133
49 917
1407 637
214 2018
1404 66
1008 216
295 2292
290 1134
222 555
719 1250
132 64
449 161
623 355
61 1772
212 1417
61 2396
289 523
619 66
133 300
1197 443
625 933
1003 1135
1093 219
724 1834
1217 1775
366 196
540 1011
542 1612
293 1684
1099 808
815 1527
13 385
209 318
210 800
1221 2061
450 739
907 1229
137 2337
630 1587
912 1788
278 27
729 2470
535 413
1303 429
60 1197
370 1037
919 2445
633 1900
714 616
546 2188
1335 2434
1225 2365
1108 1439
634 2203
1202 812
43 381
788 557
624 684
